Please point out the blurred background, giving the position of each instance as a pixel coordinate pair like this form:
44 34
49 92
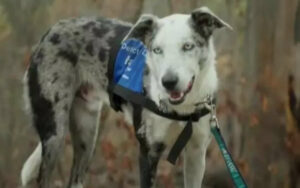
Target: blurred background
258 106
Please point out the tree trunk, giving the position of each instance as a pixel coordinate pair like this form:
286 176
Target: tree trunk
270 57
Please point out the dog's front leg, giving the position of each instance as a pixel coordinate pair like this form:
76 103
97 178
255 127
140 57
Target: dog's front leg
152 144
149 157
194 156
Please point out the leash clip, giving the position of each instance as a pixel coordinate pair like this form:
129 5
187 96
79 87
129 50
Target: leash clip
213 112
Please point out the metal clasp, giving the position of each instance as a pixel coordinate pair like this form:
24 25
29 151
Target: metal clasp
213 112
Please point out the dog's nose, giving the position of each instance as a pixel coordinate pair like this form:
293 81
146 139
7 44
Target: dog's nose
169 81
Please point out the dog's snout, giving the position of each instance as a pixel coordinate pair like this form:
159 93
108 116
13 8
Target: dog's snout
169 81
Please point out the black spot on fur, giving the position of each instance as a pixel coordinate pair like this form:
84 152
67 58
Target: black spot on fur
43 115
56 98
159 147
100 31
78 45
66 108
54 62
76 178
65 95
38 57
68 55
76 33
90 48
204 23
83 146
88 25
55 78
143 29
55 39
102 54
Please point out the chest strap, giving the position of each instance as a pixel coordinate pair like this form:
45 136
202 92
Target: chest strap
142 101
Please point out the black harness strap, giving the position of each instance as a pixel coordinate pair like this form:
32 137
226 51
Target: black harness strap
145 102
139 101
180 143
119 95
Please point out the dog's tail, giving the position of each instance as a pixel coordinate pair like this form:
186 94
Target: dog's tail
32 165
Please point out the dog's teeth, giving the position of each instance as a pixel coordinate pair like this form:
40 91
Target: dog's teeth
176 96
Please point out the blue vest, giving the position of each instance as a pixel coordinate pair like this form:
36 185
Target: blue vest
129 65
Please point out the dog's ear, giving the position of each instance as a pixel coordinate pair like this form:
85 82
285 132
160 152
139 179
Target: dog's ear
143 28
204 21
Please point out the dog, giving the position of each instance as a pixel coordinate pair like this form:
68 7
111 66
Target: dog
66 85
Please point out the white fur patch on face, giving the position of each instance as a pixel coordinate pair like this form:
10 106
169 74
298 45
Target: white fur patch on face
177 49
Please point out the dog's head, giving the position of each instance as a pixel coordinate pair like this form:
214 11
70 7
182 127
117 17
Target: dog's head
179 51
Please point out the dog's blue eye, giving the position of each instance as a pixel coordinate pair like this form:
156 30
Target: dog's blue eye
157 50
188 46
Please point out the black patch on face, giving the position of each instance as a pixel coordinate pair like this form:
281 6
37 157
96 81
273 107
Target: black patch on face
55 39
204 23
88 25
43 114
68 55
90 48
102 55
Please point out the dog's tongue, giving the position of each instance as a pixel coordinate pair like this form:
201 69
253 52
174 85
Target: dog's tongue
175 95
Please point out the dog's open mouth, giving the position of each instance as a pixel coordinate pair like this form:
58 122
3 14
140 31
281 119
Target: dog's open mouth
177 97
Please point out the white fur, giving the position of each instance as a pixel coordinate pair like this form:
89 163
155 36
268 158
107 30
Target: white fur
31 167
170 38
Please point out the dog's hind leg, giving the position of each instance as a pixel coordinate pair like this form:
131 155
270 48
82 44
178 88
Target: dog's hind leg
52 125
85 117
194 155
51 93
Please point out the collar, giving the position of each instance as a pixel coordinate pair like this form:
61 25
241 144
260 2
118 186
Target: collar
141 100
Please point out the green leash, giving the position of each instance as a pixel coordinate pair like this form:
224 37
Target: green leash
235 174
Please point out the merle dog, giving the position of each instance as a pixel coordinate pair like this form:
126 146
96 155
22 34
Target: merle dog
66 85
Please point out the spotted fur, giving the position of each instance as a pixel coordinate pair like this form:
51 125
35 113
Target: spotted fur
67 85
